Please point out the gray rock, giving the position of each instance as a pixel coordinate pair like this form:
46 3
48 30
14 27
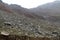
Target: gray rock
5 33
7 24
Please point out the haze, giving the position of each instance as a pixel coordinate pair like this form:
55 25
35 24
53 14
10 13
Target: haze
28 3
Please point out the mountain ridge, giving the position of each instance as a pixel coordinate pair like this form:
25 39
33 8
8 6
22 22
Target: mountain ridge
48 9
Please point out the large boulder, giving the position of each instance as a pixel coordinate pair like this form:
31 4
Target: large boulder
4 33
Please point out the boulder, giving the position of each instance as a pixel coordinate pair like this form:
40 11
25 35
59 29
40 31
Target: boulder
4 33
7 23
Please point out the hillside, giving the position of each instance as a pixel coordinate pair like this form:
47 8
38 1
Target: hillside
49 11
52 8
22 24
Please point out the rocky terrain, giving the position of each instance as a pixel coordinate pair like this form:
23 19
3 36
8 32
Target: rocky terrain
17 23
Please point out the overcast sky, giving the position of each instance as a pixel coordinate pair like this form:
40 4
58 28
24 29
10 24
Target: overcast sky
28 3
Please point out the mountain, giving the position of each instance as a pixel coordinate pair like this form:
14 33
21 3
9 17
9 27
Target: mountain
18 21
23 11
3 7
51 9
16 8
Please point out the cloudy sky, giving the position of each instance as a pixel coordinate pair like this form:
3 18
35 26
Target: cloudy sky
28 3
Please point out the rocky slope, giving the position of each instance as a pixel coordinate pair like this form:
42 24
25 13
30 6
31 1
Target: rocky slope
14 23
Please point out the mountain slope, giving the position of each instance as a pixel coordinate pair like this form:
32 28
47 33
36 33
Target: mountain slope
16 24
22 25
52 8
23 11
49 11
3 7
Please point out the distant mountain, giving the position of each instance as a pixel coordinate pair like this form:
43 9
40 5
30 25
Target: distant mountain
52 8
23 11
16 8
49 11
